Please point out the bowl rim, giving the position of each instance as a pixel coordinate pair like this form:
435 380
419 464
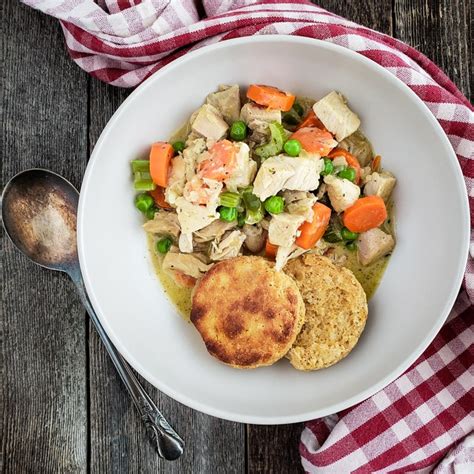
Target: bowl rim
187 399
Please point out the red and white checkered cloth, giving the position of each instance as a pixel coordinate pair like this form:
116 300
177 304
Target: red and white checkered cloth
412 423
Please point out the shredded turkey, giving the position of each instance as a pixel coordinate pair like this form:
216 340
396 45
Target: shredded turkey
193 217
190 264
228 247
301 203
253 115
287 253
284 172
215 230
283 229
191 155
164 223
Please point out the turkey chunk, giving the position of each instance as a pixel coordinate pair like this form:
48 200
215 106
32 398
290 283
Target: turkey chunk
342 192
245 169
209 123
192 152
253 115
283 229
215 230
164 223
301 203
287 253
284 172
374 244
193 217
228 247
176 180
185 243
227 101
380 184
188 263
336 116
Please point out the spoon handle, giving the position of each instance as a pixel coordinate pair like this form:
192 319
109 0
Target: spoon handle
167 442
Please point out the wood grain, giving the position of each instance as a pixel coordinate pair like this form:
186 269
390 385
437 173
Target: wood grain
441 30
44 371
118 441
63 407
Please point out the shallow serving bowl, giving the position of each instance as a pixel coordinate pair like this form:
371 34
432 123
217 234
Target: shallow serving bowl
417 290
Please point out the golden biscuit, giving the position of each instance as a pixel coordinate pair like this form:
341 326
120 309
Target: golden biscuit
247 313
336 312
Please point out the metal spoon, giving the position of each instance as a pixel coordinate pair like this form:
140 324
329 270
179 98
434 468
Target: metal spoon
39 210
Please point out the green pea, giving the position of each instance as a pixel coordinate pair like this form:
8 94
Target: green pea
298 108
346 234
143 202
228 214
150 213
238 131
275 204
179 146
351 246
163 245
328 167
292 147
348 173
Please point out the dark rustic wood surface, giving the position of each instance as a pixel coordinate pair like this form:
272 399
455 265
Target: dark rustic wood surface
63 407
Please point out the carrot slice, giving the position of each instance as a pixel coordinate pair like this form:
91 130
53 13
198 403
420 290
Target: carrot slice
376 162
365 214
315 140
184 280
270 249
270 97
221 162
312 231
311 121
352 161
160 157
158 195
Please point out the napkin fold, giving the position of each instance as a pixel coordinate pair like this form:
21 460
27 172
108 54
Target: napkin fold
411 424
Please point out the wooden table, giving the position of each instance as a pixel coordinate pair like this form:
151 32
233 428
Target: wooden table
64 408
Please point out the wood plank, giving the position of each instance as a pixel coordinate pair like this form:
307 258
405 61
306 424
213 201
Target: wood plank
275 448
118 441
375 14
440 29
44 124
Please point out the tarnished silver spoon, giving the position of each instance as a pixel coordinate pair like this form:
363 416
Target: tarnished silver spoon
39 210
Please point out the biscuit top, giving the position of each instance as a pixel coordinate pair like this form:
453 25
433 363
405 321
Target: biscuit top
247 313
336 312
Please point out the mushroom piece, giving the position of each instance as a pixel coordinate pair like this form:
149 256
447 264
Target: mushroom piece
255 237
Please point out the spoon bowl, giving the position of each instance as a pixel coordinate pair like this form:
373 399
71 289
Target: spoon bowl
39 210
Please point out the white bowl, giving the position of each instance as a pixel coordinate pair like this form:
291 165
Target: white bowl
417 290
